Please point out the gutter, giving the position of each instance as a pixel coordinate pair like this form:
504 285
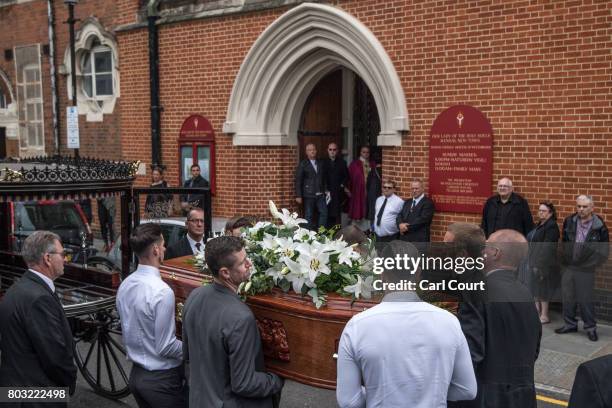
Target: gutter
152 17
54 95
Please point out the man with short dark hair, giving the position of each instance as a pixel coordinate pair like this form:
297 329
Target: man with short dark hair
310 188
506 210
146 306
403 352
193 242
196 181
585 247
235 225
36 341
221 342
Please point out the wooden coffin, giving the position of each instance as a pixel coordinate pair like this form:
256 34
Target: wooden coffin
299 341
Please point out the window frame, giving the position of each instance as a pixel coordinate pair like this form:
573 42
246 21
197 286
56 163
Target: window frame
91 55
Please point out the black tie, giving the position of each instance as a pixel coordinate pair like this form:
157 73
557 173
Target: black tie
380 212
413 205
197 245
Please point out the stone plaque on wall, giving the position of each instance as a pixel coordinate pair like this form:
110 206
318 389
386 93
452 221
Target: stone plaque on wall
460 160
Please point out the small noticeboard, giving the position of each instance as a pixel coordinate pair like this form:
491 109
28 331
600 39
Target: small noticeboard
72 127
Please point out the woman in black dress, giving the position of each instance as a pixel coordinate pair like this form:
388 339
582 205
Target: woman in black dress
542 258
158 205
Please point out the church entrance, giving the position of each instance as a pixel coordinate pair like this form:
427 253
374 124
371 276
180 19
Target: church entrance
340 109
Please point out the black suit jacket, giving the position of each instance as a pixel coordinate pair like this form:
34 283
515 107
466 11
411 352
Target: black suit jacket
504 338
309 182
419 220
36 341
223 348
197 182
181 248
592 384
518 215
336 173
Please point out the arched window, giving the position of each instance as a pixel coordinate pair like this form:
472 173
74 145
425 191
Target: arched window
97 71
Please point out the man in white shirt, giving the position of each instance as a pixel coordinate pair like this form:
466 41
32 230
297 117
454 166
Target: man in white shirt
146 306
403 352
193 242
388 206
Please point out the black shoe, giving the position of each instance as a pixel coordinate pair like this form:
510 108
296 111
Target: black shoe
592 335
565 329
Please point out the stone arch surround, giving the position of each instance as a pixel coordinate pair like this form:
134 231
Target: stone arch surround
288 60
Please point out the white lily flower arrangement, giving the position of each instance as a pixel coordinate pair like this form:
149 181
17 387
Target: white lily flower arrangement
311 263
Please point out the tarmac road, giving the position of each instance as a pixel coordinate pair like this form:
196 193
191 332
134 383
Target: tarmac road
294 396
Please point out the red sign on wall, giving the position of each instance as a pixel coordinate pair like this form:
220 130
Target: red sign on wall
460 160
197 126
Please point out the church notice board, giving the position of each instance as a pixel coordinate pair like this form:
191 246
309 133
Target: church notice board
460 160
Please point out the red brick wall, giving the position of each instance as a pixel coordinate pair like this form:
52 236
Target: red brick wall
540 72
27 24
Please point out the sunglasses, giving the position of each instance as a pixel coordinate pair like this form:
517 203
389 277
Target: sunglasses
388 187
332 150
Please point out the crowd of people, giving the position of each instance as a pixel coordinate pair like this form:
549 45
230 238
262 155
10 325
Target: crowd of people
403 352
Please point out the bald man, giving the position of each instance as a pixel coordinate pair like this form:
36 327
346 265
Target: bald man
503 333
586 246
506 210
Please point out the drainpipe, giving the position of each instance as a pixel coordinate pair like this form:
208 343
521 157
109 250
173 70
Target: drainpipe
152 16
54 94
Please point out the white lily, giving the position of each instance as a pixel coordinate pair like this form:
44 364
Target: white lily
289 220
261 224
269 242
304 235
363 287
276 272
313 259
346 253
285 248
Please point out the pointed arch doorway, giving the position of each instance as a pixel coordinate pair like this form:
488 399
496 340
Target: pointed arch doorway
342 110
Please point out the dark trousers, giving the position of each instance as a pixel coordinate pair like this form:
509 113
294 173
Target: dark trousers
318 202
386 238
158 388
577 289
106 224
333 220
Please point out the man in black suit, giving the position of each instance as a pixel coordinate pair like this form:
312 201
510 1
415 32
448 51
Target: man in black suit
194 200
336 173
223 345
36 340
193 241
414 221
592 384
506 210
504 332
310 187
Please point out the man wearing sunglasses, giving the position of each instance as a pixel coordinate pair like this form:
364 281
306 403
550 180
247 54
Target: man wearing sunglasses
36 337
336 173
388 206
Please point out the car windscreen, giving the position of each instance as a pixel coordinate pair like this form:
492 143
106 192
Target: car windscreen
47 216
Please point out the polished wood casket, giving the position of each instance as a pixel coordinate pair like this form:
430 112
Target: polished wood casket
299 341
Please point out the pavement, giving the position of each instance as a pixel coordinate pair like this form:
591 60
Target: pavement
561 354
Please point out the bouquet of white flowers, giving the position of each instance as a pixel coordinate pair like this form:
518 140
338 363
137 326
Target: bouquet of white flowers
311 263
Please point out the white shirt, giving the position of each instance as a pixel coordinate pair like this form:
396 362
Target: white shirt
392 209
314 164
407 353
415 201
45 279
193 242
146 306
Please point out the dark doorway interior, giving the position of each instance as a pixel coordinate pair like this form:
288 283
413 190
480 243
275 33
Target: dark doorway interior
2 143
322 116
366 122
